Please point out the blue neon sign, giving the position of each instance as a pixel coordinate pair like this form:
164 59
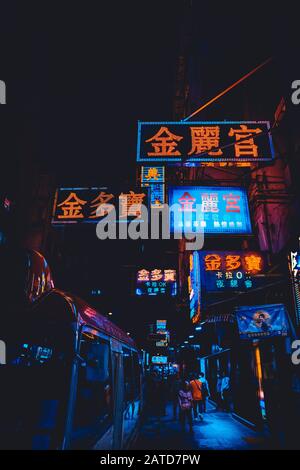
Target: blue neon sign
213 210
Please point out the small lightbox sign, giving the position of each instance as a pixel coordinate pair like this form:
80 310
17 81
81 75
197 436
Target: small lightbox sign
156 282
159 360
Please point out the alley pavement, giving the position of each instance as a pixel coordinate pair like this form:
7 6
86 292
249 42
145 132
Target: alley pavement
218 431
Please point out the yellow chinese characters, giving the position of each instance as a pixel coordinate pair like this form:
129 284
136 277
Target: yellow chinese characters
233 262
212 262
166 275
245 145
253 263
131 204
205 139
100 205
169 275
143 275
156 275
152 174
164 143
72 207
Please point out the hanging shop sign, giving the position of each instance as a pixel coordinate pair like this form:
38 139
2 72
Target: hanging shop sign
262 321
164 341
159 360
161 324
90 205
223 271
194 287
153 177
240 143
156 282
211 209
295 274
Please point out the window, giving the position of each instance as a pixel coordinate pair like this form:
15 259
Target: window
93 408
128 377
136 374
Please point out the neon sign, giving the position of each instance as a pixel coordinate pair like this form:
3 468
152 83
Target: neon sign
156 282
194 287
215 210
231 270
225 143
90 205
153 177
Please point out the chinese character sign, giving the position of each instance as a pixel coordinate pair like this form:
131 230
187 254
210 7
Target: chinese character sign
153 177
153 174
228 143
156 282
89 205
161 324
262 321
215 210
231 270
159 360
194 287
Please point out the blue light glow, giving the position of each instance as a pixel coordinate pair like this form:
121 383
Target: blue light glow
213 210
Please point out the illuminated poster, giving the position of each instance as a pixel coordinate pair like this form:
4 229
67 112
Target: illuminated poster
90 205
194 287
161 324
156 282
231 270
215 210
238 143
262 321
295 273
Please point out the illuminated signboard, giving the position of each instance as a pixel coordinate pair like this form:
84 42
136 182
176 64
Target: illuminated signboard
295 273
231 270
153 177
159 360
194 287
262 321
161 324
90 205
156 282
153 174
215 210
237 142
165 339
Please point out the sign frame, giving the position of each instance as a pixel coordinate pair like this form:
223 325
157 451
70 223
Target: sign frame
185 159
248 231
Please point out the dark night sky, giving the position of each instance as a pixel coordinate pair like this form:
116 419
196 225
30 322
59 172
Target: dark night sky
80 75
87 73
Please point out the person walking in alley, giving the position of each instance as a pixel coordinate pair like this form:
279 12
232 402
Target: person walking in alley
185 400
175 387
219 392
196 389
204 390
225 392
